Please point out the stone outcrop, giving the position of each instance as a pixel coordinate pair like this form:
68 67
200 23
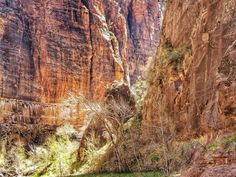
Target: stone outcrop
51 48
192 80
120 92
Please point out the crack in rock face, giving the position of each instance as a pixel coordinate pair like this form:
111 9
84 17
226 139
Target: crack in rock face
200 37
51 48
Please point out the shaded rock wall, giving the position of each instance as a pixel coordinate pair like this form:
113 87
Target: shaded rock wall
50 48
193 78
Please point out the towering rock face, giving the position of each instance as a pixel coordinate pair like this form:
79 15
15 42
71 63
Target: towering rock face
193 78
143 31
51 48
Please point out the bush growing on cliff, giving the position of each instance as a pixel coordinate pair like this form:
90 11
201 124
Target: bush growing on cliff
226 141
174 56
167 55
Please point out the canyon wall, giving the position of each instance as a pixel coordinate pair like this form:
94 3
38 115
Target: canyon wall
192 81
50 48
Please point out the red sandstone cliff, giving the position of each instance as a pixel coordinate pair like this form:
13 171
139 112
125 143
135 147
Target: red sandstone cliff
192 80
50 48
192 87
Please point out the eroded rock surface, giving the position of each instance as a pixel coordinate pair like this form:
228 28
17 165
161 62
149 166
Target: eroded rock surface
192 81
51 48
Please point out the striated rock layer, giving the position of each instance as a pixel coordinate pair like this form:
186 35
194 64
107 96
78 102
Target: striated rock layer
193 78
51 48
192 86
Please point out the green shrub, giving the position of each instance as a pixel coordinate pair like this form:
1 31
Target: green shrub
226 141
167 55
55 157
175 56
139 89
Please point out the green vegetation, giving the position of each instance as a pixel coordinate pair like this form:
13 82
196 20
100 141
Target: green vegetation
110 143
222 142
109 124
173 56
140 90
94 159
212 146
167 55
67 151
53 158
58 155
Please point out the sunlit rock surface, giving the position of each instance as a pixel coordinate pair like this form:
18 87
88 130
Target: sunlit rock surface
192 90
194 93
51 48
